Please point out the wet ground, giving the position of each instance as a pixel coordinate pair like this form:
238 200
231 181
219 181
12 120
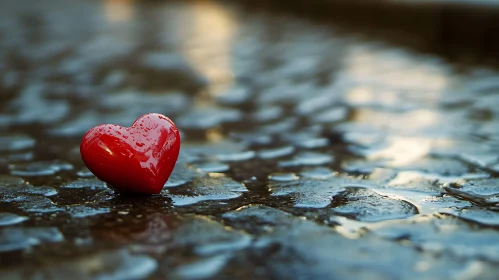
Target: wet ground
309 151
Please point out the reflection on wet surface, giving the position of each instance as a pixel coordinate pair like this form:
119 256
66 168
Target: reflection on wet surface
307 152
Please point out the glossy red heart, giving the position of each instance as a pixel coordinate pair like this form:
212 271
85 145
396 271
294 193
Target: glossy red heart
136 159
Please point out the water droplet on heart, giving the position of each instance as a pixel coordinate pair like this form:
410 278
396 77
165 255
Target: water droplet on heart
140 144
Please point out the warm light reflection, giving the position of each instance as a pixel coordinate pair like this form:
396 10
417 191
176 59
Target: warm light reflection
119 10
363 95
395 70
403 150
415 122
410 128
214 134
392 82
209 48
216 175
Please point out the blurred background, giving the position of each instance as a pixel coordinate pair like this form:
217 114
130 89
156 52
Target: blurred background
325 139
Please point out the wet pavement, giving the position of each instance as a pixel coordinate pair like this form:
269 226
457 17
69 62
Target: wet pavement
309 151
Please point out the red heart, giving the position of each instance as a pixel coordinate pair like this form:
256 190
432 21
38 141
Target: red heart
137 159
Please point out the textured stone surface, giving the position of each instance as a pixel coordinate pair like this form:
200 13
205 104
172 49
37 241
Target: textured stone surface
307 153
